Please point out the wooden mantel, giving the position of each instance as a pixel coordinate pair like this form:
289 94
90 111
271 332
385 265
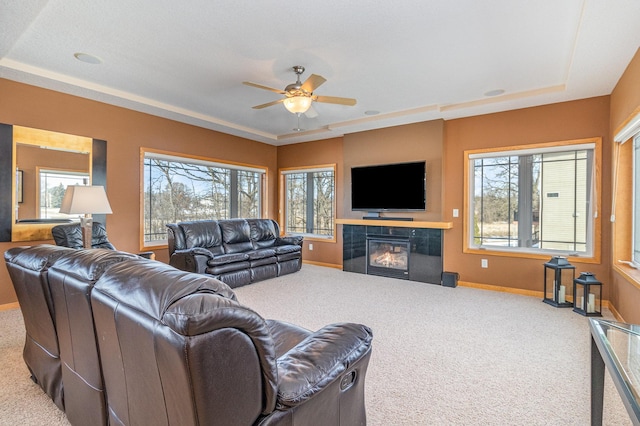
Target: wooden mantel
396 223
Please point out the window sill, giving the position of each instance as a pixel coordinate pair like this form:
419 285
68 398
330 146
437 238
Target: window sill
629 273
531 255
312 237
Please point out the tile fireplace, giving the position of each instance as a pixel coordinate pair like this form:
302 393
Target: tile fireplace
403 252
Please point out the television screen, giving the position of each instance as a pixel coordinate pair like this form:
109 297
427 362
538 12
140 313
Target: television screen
389 187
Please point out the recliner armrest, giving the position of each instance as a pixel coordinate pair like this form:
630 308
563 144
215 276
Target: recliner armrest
320 360
147 255
191 260
295 239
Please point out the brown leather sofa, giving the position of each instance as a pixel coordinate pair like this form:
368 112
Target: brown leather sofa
235 251
178 348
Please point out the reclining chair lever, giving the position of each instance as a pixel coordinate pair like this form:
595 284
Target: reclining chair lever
348 380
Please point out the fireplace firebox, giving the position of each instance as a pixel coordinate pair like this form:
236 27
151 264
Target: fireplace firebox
388 257
411 253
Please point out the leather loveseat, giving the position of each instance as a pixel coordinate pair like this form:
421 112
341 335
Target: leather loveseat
145 343
235 251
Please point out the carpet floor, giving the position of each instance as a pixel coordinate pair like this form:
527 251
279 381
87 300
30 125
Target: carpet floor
441 356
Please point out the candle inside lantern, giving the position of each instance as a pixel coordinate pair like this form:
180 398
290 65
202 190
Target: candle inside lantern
591 304
562 294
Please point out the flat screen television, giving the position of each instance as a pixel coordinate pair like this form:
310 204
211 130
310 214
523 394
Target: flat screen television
389 187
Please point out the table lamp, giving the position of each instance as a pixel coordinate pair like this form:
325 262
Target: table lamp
86 200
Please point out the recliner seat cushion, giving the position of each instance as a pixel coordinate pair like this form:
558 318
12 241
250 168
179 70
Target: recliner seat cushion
261 254
223 259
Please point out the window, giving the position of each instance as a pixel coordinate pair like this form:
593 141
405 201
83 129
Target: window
534 200
53 184
308 198
636 201
179 189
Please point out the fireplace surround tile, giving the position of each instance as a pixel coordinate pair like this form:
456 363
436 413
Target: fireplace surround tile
425 261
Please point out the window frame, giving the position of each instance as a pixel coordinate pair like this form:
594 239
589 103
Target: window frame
194 159
83 174
622 199
596 229
282 211
635 202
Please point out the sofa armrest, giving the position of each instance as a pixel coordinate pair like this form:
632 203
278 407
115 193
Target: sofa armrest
191 260
320 360
147 255
295 239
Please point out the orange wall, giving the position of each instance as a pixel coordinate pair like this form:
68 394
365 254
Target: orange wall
412 142
625 101
441 144
308 154
550 123
420 141
126 132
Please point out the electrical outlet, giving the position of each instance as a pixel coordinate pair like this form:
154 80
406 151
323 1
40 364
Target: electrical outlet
456 212
484 263
310 246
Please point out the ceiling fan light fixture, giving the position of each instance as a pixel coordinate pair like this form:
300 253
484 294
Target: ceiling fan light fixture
297 104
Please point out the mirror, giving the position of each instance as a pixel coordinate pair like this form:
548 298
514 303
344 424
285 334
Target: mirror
43 163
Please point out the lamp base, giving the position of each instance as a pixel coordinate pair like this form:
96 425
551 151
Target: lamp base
86 223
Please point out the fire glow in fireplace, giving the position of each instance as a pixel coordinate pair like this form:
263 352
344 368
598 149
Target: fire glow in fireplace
388 257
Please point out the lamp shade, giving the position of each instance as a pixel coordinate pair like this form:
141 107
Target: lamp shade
79 199
297 104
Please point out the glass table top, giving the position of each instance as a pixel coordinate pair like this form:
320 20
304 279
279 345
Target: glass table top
619 345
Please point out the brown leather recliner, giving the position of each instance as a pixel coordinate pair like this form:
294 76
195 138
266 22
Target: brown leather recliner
70 235
29 268
177 348
71 279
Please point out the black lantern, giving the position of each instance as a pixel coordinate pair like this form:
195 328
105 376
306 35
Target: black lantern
587 295
559 275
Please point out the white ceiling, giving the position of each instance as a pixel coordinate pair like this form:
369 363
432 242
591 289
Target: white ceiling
410 60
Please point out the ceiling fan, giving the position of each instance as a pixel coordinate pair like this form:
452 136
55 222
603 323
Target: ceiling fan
299 95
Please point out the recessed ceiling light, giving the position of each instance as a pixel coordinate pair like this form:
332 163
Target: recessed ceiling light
371 112
495 92
86 58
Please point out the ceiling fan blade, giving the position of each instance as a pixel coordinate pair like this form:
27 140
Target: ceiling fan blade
335 100
311 112
313 82
268 104
260 86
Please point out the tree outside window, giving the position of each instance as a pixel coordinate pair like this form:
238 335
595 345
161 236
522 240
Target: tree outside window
178 189
309 201
533 200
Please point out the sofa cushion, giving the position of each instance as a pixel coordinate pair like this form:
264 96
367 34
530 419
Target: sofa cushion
236 235
263 261
263 232
287 249
223 259
261 254
203 233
